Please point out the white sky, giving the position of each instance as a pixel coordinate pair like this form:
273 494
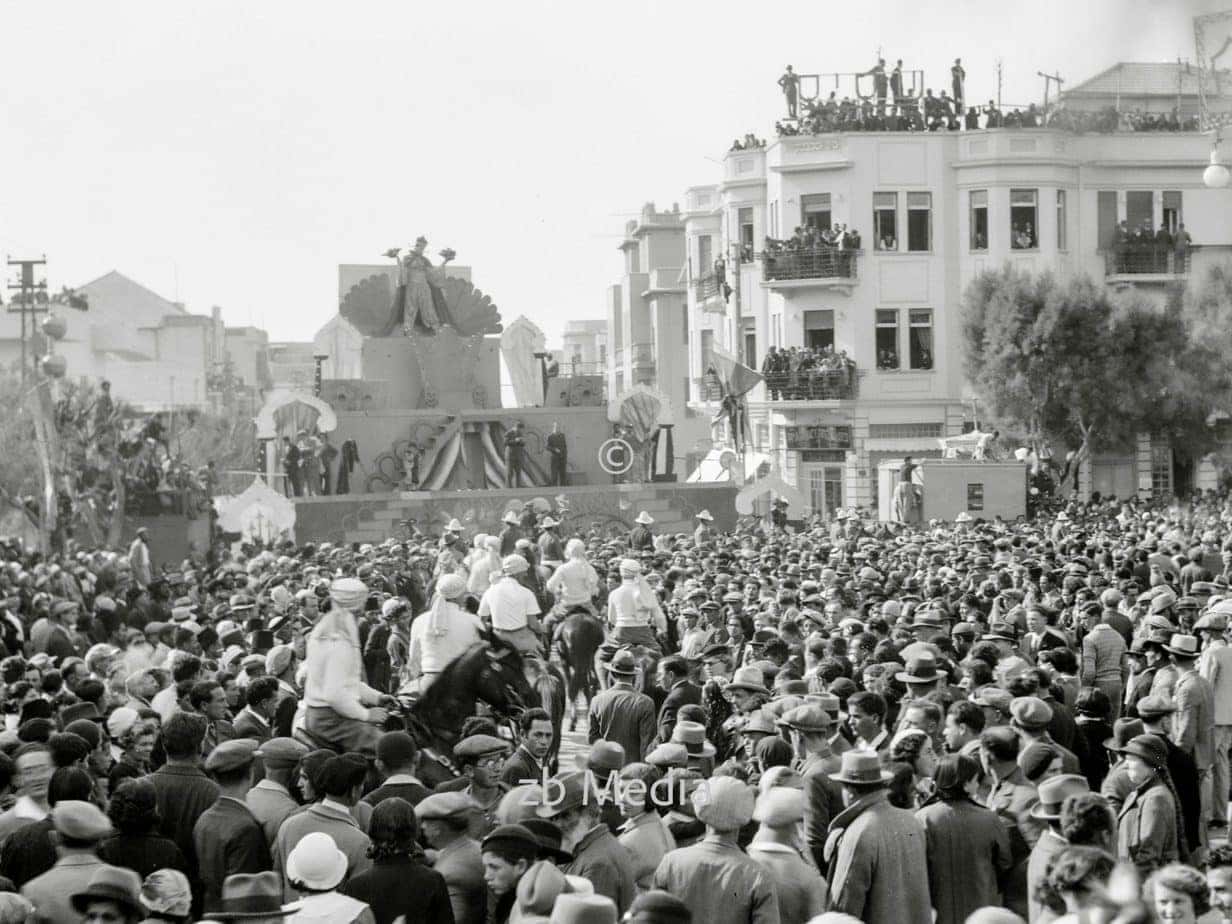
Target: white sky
235 153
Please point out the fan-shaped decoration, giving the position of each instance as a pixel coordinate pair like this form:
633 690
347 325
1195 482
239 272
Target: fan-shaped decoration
469 309
772 484
369 306
639 415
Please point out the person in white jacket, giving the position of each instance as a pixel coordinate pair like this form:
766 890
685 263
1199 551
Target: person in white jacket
339 708
443 633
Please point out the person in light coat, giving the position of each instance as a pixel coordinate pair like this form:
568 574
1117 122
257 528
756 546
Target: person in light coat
876 854
777 847
442 634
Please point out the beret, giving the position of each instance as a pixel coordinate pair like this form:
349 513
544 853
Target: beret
81 821
281 752
779 806
724 803
231 755
1031 712
277 659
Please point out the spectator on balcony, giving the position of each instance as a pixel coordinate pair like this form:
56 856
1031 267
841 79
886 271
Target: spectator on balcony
896 82
973 119
770 372
881 85
1180 248
790 84
992 115
1023 237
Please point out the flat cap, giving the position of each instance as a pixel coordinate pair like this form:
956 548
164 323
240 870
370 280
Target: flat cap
281 752
231 755
478 745
445 805
1031 712
81 821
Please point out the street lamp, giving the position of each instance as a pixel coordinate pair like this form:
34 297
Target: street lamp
1216 175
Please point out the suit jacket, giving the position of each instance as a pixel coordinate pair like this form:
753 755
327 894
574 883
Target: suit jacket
603 860
229 840
1147 828
402 887
684 693
823 801
319 817
462 868
521 766
412 791
183 794
52 892
271 804
249 725
624 715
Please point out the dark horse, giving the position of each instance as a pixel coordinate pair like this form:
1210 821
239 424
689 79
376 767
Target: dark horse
491 672
579 638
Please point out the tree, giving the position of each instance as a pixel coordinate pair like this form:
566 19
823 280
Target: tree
1073 365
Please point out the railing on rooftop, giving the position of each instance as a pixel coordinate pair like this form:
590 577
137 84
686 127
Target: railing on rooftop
810 263
1145 259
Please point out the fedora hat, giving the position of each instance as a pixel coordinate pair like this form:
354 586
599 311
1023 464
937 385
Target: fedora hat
252 895
920 669
704 515
749 678
1183 646
583 909
693 736
623 663
1053 793
112 883
1123 731
861 768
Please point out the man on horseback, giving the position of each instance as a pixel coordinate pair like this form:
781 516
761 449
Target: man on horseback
512 609
633 610
340 710
575 584
443 633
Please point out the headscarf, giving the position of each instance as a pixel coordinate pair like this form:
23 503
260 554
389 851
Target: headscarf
448 588
347 596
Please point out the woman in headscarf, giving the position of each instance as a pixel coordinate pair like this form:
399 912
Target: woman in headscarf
483 564
339 708
443 633
968 847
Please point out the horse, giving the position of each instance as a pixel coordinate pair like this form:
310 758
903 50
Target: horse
549 686
491 671
647 661
579 638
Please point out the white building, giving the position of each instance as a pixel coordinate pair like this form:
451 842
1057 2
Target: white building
932 210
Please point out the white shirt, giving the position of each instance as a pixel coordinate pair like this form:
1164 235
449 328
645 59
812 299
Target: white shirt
429 653
633 604
509 605
165 703
575 582
334 669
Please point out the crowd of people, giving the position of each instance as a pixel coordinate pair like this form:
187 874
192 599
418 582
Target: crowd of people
311 464
1143 250
812 252
842 721
808 374
893 105
749 142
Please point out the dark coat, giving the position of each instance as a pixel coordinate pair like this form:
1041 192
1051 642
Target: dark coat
142 853
683 693
28 852
968 853
247 725
603 860
521 766
413 793
183 793
402 887
229 840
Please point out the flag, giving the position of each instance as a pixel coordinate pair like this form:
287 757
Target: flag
736 378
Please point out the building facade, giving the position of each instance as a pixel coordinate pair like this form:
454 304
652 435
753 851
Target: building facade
932 210
583 347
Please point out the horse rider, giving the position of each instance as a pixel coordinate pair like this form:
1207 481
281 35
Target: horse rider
512 609
574 584
633 609
340 710
443 633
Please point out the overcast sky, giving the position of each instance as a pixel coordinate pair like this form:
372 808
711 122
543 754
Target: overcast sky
233 154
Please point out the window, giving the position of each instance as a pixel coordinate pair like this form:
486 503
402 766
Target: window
1061 219
919 221
744 217
819 329
1139 209
684 316
975 496
920 338
887 339
1024 219
1106 216
815 211
750 344
761 437
979 219
705 255
885 221
603 354
1172 215
1161 471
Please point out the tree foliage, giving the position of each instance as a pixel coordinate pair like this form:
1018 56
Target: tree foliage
1071 364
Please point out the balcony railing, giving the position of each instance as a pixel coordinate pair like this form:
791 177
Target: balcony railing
708 389
810 263
706 287
813 384
1145 260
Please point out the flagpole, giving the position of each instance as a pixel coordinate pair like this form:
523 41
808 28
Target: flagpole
737 320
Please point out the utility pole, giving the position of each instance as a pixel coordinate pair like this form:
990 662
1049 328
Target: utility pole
998 84
1049 80
27 300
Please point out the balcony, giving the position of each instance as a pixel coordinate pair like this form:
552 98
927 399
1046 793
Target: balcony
813 384
811 266
708 291
708 389
1139 263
